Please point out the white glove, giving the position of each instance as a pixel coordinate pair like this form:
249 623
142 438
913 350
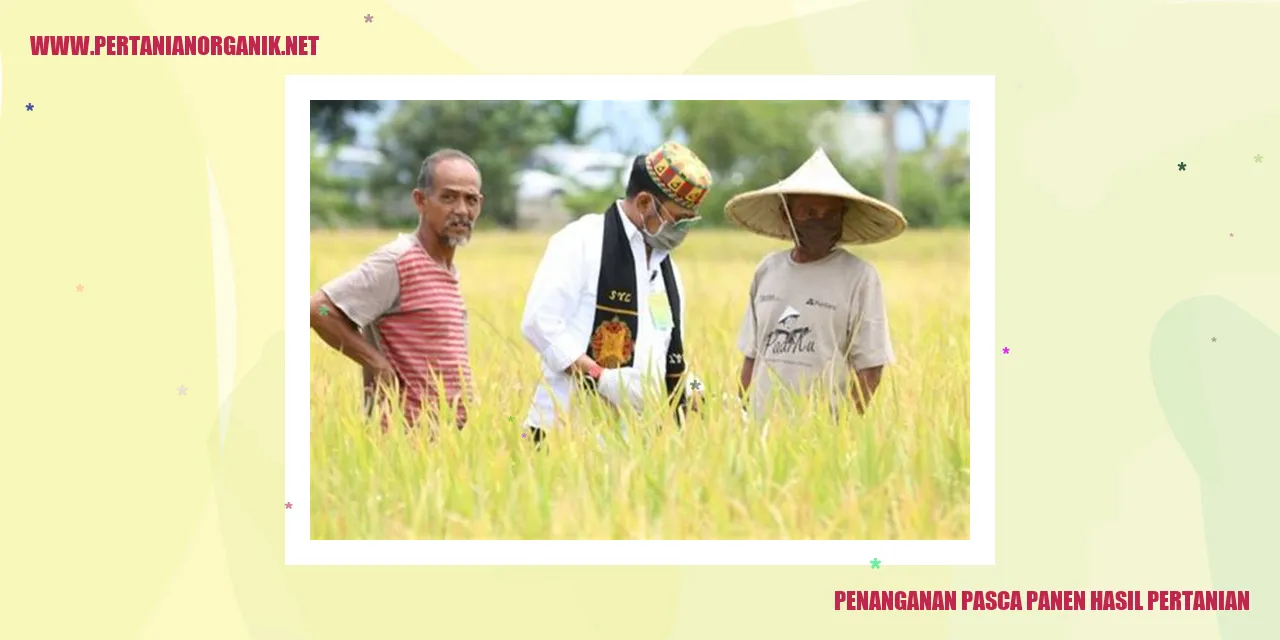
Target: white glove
620 386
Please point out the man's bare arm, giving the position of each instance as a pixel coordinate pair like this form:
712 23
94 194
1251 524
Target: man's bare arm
866 383
338 331
744 377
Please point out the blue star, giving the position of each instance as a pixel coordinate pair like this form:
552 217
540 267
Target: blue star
30 107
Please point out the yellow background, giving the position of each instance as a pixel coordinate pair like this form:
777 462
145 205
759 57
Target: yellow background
1132 452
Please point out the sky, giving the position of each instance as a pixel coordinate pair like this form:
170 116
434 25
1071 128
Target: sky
636 128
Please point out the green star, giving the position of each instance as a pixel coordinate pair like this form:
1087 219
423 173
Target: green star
1182 166
324 310
1257 158
875 563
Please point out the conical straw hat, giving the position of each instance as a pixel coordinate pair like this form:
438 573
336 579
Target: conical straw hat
867 220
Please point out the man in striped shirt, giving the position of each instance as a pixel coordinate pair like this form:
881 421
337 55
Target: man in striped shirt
399 314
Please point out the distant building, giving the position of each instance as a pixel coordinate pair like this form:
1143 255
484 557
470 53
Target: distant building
548 174
353 163
554 171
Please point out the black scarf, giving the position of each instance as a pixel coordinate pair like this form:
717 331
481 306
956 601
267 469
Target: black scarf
617 320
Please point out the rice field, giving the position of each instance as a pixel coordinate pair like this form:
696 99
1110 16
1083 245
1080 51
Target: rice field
899 472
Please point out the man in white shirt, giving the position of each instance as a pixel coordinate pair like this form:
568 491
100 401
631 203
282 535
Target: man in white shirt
605 308
816 312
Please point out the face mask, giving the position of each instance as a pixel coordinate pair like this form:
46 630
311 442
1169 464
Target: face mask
811 235
817 236
668 236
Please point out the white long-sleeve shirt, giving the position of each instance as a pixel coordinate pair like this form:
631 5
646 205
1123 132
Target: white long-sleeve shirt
561 307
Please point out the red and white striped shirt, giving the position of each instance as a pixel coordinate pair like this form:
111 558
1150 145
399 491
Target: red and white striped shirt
410 307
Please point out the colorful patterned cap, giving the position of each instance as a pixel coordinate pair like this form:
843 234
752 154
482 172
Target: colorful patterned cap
680 174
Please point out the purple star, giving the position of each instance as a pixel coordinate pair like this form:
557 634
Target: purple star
31 107
1006 350
368 18
182 390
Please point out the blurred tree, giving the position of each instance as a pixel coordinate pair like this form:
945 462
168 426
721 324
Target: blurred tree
565 118
332 197
888 110
930 130
329 118
745 144
498 134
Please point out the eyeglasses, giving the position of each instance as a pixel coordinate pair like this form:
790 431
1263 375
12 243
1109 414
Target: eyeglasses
678 223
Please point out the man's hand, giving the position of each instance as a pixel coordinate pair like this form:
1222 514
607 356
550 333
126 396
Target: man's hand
584 365
385 378
864 387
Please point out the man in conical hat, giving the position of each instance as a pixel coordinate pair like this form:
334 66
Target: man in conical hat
816 313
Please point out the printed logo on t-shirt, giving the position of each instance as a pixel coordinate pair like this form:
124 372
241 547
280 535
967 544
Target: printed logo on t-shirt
788 336
814 302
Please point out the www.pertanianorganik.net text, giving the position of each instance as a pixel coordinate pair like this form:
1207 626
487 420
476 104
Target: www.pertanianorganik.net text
174 45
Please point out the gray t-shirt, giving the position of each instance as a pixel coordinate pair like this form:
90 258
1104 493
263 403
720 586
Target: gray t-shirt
808 326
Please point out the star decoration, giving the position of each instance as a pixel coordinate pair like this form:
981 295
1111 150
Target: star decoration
368 18
1006 350
324 310
1232 235
1257 158
80 288
288 505
1213 339
182 390
696 385
31 107
875 563
1182 166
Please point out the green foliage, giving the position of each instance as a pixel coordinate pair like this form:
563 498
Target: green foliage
926 198
329 117
332 198
746 144
499 135
583 200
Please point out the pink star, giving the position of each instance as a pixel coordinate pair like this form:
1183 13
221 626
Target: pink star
288 505
1006 350
80 288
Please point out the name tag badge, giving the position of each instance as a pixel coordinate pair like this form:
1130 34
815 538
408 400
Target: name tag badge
660 311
